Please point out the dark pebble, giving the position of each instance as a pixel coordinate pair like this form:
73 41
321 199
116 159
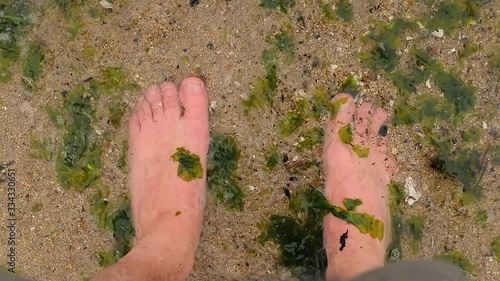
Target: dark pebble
383 131
287 192
285 158
193 3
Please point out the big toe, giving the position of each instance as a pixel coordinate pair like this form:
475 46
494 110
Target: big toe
194 99
341 113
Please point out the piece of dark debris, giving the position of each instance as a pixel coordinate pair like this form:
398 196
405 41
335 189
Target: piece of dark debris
343 240
287 192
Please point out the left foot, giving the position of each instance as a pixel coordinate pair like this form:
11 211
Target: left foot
167 210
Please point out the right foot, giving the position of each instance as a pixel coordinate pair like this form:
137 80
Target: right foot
349 176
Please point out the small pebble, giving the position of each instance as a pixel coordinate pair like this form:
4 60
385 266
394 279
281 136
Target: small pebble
193 3
106 4
295 158
285 158
439 33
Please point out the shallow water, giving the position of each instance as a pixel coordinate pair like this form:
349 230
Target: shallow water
56 235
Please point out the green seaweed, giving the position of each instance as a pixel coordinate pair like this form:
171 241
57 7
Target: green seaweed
73 12
223 156
272 158
291 123
345 134
300 242
344 9
365 223
481 217
33 66
471 135
263 91
119 222
397 193
383 55
350 86
14 16
300 236
270 62
405 114
79 160
37 207
494 62
453 14
261 95
405 84
458 259
284 42
117 109
113 85
462 164
100 206
56 116
42 149
416 224
113 82
319 103
468 51
456 91
328 11
310 138
470 196
431 107
190 167
351 204
362 152
89 52
294 119
334 107
280 5
122 161
495 247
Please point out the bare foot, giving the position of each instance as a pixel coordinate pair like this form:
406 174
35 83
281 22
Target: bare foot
350 176
167 210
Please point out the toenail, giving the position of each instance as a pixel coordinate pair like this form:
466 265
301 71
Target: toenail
193 86
383 130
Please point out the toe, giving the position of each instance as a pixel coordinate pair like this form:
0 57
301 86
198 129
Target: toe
134 126
171 105
194 99
391 166
378 120
144 112
363 118
154 97
341 112
378 130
